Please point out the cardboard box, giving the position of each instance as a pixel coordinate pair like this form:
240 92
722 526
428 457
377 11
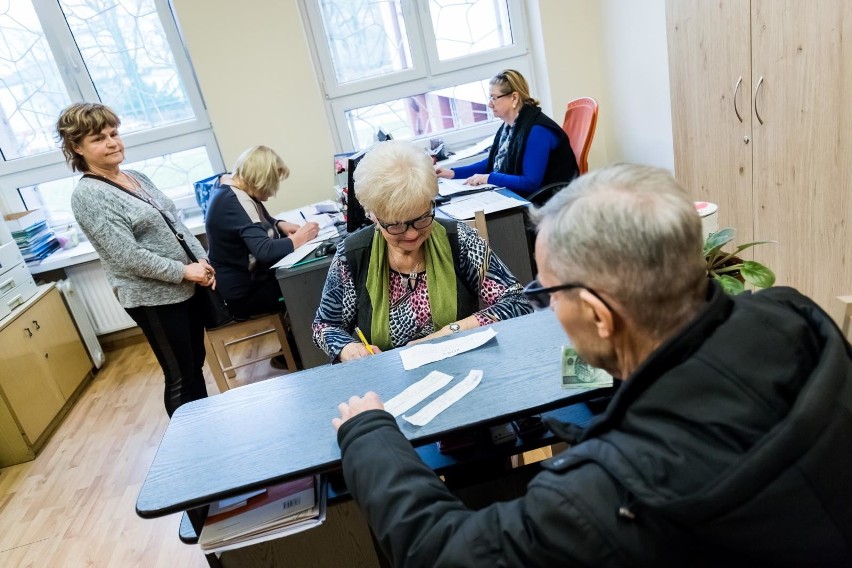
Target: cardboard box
23 220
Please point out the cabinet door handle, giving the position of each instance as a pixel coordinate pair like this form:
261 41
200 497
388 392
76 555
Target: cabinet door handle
736 92
756 91
7 285
16 301
29 333
37 326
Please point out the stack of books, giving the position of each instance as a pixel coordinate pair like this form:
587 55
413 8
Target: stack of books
264 515
32 235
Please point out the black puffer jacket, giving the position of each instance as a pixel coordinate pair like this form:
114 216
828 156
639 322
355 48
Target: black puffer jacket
730 445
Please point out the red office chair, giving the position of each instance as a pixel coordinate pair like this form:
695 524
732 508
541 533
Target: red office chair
581 118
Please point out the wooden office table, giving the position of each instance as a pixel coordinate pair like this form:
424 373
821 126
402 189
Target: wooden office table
269 432
302 286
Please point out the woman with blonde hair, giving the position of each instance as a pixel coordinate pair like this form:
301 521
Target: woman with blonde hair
411 277
529 151
245 240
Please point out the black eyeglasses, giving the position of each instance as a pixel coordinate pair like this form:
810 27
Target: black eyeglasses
492 98
418 223
539 296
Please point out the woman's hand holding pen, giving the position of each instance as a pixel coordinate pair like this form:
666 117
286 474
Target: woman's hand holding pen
201 273
306 232
356 351
445 173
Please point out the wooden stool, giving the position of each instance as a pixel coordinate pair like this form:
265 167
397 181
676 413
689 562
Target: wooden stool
218 340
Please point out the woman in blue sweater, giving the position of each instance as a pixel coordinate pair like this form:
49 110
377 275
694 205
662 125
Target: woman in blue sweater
245 240
529 151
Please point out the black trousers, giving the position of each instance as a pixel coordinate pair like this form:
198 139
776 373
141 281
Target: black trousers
264 299
176 336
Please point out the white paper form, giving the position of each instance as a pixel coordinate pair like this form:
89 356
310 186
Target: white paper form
417 393
453 186
443 402
487 201
419 355
297 255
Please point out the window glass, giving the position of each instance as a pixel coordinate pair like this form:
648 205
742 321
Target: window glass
465 27
366 38
31 90
413 67
421 115
129 60
173 174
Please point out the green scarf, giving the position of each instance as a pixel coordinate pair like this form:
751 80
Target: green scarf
440 283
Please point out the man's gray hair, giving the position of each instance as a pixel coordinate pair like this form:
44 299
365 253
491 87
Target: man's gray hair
631 232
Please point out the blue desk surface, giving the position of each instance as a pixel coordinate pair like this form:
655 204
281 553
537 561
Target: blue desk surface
264 433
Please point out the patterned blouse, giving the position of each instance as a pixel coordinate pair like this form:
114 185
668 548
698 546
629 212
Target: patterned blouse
409 316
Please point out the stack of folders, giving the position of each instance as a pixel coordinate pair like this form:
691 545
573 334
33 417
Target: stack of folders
264 515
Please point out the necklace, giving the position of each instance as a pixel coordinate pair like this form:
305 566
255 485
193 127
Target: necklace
413 276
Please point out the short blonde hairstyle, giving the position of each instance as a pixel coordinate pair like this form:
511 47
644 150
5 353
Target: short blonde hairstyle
78 121
260 170
511 81
396 180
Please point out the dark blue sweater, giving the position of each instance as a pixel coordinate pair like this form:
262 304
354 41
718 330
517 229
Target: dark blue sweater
234 241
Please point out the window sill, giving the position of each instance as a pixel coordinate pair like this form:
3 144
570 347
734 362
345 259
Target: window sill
85 252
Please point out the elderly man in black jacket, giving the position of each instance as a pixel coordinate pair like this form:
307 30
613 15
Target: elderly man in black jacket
729 442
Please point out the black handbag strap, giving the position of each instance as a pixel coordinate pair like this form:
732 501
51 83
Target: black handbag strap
178 235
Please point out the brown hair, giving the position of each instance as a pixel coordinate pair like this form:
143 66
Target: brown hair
511 81
78 121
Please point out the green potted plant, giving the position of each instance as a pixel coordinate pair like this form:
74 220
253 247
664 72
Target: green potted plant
731 271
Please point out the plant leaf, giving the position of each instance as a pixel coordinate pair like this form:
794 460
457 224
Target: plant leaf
719 239
757 274
747 245
730 284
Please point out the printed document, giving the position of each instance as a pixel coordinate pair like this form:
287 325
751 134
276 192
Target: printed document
443 402
419 355
417 393
454 186
487 201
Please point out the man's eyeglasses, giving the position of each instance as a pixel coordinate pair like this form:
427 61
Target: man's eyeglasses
539 296
492 98
418 223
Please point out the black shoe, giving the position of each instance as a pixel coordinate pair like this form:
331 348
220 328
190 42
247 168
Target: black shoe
279 362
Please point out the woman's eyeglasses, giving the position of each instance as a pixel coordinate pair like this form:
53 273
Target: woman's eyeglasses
418 223
539 296
492 98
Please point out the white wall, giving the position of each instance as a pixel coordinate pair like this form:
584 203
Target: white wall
636 70
614 51
254 67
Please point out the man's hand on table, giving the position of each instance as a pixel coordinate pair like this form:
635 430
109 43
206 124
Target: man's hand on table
355 406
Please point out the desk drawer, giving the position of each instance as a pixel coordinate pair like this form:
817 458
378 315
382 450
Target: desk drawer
10 257
17 287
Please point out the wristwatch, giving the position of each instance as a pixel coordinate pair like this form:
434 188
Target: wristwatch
454 327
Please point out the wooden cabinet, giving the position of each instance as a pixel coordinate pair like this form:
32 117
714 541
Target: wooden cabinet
762 121
42 366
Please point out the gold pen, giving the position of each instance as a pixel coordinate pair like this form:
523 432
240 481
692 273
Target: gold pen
364 341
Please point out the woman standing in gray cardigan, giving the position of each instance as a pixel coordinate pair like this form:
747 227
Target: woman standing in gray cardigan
122 214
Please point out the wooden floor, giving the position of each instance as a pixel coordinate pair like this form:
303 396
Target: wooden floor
75 504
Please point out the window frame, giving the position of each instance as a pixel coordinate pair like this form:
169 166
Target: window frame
427 74
27 171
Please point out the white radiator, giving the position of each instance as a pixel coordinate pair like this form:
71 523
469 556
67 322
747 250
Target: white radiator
90 282
81 319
